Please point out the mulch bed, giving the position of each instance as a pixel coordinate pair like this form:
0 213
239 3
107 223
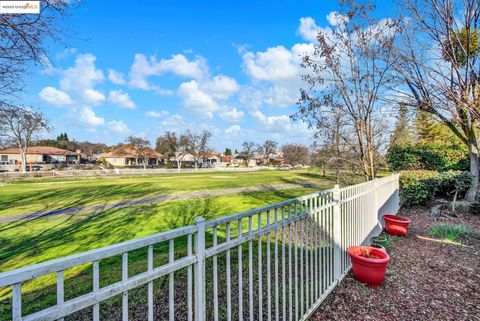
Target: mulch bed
427 279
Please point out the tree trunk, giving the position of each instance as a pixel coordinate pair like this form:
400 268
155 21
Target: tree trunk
179 164
472 193
196 164
24 160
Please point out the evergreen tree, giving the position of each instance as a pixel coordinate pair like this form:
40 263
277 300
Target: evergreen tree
426 127
62 137
401 135
228 152
431 131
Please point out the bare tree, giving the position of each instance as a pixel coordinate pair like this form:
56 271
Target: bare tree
20 124
197 144
440 67
167 144
348 73
332 144
142 148
170 145
248 149
295 154
24 38
268 148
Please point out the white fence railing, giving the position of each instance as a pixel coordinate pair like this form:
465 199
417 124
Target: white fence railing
125 171
277 262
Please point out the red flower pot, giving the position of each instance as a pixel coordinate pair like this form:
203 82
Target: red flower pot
396 225
369 264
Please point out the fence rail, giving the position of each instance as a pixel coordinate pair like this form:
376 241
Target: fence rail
277 262
125 171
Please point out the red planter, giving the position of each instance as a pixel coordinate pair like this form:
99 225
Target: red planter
369 264
396 225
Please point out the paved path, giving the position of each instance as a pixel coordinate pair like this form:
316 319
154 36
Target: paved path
147 200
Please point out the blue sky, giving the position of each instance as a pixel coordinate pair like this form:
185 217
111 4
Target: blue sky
144 67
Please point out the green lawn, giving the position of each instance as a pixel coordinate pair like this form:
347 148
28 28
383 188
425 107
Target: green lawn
25 196
28 242
24 243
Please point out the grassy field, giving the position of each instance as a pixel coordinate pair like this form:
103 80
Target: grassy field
29 242
25 196
24 243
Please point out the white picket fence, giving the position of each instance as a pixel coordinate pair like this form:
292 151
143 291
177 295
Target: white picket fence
125 172
277 262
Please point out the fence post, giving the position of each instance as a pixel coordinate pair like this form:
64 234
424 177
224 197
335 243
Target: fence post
337 233
377 203
199 270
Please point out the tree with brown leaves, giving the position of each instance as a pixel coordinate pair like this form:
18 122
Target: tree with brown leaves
348 74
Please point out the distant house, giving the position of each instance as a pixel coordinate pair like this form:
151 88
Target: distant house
186 160
40 155
257 159
128 155
210 158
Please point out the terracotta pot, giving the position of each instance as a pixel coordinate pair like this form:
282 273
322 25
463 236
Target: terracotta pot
396 225
369 264
379 247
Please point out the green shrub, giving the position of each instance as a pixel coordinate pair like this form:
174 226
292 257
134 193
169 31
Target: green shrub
420 187
448 232
434 157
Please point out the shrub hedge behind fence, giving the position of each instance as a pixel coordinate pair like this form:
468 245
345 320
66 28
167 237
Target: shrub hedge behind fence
421 186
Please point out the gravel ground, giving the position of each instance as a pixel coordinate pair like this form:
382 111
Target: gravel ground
427 278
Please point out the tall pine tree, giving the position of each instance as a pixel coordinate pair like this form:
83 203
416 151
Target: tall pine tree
402 133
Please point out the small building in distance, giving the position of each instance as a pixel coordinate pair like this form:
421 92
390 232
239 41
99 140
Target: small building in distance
40 155
129 155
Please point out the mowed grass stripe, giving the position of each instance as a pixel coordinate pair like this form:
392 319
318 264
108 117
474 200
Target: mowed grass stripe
20 197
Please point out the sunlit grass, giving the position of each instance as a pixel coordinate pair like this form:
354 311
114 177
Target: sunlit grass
22 197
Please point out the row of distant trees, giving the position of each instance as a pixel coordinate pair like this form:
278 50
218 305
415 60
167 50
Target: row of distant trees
178 146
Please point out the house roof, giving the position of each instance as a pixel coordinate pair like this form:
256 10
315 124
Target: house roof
130 151
39 150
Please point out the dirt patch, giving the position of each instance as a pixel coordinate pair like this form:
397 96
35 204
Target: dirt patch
427 278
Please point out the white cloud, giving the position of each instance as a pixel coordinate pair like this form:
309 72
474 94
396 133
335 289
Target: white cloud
196 100
274 64
82 77
93 97
277 64
179 65
118 126
335 19
233 115
173 121
220 87
55 97
120 98
308 29
281 125
232 130
86 117
276 75
281 120
156 114
116 77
